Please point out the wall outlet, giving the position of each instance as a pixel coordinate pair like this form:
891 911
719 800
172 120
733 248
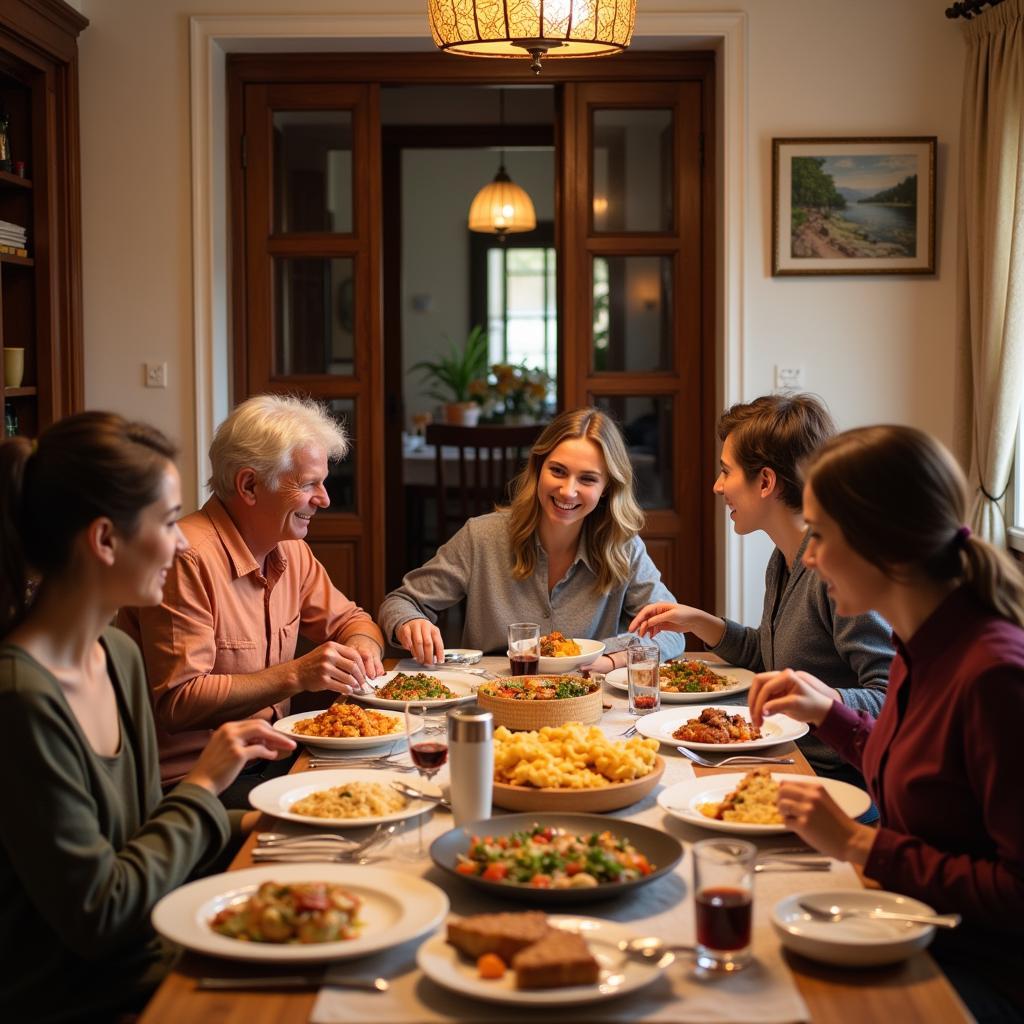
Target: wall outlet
789 378
156 375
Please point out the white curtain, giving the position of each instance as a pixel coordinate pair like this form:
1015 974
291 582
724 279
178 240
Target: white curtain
990 334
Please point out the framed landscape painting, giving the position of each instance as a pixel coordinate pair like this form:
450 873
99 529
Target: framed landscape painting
853 206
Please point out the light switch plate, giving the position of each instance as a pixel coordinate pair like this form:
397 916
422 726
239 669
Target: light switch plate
156 375
789 378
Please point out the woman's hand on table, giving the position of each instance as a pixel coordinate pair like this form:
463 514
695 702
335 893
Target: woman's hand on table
422 639
809 810
231 748
797 694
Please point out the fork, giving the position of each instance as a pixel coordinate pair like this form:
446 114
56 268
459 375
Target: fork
378 837
737 759
267 840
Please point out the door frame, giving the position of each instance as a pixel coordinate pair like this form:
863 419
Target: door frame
650 69
213 37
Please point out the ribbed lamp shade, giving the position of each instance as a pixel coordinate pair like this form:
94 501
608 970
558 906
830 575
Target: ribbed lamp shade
556 28
502 207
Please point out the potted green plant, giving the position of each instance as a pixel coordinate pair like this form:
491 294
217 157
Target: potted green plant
453 374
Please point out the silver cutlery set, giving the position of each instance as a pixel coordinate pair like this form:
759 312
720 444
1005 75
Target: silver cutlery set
323 847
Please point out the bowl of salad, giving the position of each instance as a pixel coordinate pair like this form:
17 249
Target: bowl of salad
529 702
556 858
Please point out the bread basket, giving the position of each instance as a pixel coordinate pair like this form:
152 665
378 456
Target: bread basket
532 714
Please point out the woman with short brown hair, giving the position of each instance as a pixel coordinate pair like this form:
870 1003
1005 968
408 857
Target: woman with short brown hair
764 443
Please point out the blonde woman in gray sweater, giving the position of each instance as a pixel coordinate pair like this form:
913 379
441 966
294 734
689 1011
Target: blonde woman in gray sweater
764 443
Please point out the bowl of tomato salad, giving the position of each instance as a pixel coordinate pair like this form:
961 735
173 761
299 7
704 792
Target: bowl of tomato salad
556 858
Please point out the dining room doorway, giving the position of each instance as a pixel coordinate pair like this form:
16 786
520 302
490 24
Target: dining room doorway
632 223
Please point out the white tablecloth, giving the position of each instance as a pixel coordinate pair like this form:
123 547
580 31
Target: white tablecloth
763 994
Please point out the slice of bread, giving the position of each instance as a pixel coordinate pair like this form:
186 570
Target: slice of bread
504 934
559 959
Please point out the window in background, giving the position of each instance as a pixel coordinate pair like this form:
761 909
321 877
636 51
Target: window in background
514 295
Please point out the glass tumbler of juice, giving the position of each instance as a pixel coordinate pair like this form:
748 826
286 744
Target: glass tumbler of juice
524 648
643 662
723 886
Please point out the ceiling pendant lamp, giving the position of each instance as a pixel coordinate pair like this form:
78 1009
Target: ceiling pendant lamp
501 207
534 28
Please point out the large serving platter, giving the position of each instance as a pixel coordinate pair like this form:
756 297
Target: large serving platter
620 974
287 726
462 684
396 907
617 679
276 796
775 729
684 800
662 850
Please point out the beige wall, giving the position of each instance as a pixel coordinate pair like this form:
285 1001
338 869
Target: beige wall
875 348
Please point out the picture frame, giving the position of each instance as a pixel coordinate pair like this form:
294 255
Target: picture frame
853 206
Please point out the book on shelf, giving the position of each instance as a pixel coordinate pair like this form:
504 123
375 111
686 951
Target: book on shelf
12 250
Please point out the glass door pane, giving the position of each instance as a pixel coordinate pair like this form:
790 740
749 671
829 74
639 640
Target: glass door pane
632 306
312 171
632 176
314 311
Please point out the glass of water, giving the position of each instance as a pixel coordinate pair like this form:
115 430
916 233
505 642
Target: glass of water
642 666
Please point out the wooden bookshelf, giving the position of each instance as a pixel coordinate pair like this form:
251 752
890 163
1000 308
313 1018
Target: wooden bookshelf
40 293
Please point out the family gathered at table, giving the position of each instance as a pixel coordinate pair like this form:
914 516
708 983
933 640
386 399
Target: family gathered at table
130 750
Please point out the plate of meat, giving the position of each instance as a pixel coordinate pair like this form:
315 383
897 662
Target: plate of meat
718 728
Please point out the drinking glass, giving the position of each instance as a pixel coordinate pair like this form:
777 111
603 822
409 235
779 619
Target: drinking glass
723 887
524 648
429 755
643 662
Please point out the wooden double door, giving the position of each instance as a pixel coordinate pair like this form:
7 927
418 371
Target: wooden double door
634 235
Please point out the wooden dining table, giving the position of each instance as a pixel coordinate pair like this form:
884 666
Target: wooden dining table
915 990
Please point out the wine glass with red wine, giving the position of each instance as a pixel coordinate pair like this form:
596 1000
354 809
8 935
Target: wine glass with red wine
429 755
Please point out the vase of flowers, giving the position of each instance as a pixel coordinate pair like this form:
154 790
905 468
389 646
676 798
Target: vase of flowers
521 391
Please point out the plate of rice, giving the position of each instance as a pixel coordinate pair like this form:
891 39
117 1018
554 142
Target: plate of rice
340 798
740 803
347 727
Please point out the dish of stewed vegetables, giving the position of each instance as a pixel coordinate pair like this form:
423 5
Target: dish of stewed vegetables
545 857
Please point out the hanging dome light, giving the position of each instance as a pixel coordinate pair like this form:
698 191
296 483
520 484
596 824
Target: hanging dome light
502 207
535 28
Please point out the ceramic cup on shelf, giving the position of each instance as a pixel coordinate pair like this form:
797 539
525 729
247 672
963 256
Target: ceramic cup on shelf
14 367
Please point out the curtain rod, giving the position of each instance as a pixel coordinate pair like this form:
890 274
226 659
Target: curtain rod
969 8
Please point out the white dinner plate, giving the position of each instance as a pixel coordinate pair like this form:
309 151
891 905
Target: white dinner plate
276 796
396 907
462 684
286 725
617 679
775 729
620 974
853 941
683 800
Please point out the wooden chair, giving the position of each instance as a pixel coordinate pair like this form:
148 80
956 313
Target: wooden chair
482 479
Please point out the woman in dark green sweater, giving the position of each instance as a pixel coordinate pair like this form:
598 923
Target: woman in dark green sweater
89 843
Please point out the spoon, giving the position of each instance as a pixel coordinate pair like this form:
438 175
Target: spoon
650 947
832 912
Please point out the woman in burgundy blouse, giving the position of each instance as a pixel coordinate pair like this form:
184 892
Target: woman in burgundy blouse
944 761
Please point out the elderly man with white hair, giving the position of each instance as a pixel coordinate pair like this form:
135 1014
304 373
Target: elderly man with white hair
221 646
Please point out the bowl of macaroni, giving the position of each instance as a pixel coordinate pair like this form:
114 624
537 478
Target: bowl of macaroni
572 767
